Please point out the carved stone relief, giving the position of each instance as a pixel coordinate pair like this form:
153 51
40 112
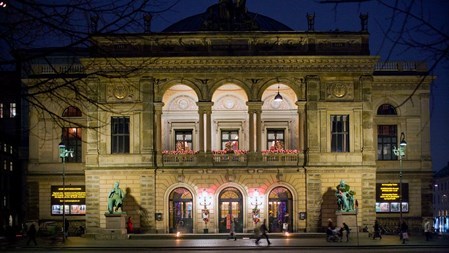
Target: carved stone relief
120 91
184 103
339 90
229 102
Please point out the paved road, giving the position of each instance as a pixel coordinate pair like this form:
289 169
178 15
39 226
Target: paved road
388 243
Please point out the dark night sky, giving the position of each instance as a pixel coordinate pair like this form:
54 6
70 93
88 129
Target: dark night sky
345 17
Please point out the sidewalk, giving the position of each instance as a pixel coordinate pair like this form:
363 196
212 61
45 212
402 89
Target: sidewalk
207 241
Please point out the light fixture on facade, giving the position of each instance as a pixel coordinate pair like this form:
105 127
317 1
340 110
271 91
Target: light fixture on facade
400 152
63 154
278 97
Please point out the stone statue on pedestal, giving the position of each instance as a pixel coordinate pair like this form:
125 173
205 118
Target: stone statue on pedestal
115 199
345 197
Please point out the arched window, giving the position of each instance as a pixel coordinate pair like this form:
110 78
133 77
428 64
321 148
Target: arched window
386 109
72 111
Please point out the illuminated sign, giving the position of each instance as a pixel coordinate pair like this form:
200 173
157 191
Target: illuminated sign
74 198
388 197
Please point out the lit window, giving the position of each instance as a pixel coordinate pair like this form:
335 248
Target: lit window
71 137
12 110
1 110
275 139
386 139
10 166
229 139
183 140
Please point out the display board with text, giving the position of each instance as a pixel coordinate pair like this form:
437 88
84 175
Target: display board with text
388 198
75 200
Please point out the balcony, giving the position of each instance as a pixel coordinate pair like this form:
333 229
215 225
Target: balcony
287 157
230 157
236 158
179 158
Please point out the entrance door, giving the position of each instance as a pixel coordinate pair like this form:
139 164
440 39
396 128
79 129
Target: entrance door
280 209
230 207
180 211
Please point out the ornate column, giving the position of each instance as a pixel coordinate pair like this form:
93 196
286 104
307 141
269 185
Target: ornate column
158 129
201 129
205 108
255 131
301 129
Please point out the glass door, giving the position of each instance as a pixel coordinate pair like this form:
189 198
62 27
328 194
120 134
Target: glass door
230 207
279 210
180 211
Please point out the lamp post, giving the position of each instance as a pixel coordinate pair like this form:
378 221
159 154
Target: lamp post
63 154
400 152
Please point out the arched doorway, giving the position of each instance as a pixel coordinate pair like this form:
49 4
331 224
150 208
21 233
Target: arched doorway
230 206
180 211
280 207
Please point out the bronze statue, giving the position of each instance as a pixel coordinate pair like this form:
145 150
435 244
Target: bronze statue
115 199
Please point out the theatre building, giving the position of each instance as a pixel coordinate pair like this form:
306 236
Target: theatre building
229 112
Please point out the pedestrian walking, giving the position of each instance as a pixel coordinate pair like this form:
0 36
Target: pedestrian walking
377 232
32 235
427 230
404 232
263 232
347 229
232 234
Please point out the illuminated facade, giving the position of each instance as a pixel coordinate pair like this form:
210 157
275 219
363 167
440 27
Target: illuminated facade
187 122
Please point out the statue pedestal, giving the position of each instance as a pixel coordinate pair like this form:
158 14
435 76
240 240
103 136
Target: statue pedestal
350 218
115 225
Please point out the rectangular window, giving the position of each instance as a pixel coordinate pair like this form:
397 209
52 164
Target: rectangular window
183 140
119 135
387 136
229 139
340 133
1 111
72 140
12 110
275 139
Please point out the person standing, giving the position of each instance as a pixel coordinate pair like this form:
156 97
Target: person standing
32 235
404 232
232 230
427 229
263 232
346 228
66 228
377 232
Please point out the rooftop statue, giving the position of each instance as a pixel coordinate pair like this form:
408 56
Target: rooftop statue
345 197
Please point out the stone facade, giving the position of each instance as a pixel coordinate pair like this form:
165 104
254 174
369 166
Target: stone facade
206 84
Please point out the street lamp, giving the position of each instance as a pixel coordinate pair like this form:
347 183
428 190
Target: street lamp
63 154
400 152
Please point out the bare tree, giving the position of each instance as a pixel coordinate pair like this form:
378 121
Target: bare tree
56 33
410 27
